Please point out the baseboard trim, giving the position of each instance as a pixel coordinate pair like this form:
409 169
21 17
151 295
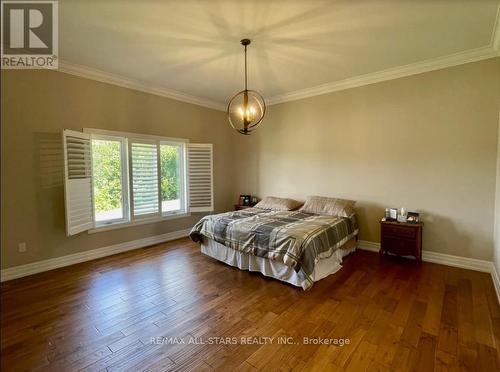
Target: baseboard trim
55 263
439 258
366 245
457 261
448 260
496 281
58 262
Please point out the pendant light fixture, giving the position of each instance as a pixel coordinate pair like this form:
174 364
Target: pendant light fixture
246 109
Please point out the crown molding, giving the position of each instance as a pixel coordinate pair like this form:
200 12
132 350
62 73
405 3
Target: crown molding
115 79
473 55
495 37
456 59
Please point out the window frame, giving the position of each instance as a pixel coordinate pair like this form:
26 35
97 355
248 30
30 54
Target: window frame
182 173
139 217
124 179
130 219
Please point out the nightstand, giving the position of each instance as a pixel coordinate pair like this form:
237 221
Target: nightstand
402 239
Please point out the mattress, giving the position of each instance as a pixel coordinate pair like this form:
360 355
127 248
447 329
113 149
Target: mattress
293 238
275 269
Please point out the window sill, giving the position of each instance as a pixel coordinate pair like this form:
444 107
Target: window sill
138 222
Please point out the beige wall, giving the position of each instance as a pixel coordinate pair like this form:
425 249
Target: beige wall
426 142
496 252
36 106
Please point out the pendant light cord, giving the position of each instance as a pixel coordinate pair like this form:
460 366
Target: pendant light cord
245 67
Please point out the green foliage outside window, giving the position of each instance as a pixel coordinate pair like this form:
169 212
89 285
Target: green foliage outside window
170 180
107 175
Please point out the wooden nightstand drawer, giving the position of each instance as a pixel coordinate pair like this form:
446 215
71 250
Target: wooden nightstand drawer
403 239
399 231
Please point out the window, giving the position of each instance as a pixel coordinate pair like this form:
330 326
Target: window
144 157
133 179
172 177
109 177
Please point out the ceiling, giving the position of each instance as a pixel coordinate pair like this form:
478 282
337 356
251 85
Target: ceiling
191 47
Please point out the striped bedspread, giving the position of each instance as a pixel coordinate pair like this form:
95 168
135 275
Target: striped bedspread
294 238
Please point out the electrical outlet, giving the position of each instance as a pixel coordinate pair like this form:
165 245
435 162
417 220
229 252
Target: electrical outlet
22 247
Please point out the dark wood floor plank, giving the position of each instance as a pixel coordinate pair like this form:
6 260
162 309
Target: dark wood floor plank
425 354
124 312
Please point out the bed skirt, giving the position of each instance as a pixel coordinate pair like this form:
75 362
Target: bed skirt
275 269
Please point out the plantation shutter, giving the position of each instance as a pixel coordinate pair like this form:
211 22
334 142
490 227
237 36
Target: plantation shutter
77 182
200 177
144 170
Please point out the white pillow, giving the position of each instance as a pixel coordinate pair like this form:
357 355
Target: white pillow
278 204
328 206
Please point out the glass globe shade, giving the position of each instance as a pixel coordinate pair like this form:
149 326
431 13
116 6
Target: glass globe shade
246 110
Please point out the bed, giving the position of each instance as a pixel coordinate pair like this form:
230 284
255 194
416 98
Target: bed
292 246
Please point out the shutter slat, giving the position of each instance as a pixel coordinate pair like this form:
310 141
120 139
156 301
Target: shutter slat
77 182
144 178
200 177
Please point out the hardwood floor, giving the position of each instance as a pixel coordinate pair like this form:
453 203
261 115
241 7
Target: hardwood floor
111 314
